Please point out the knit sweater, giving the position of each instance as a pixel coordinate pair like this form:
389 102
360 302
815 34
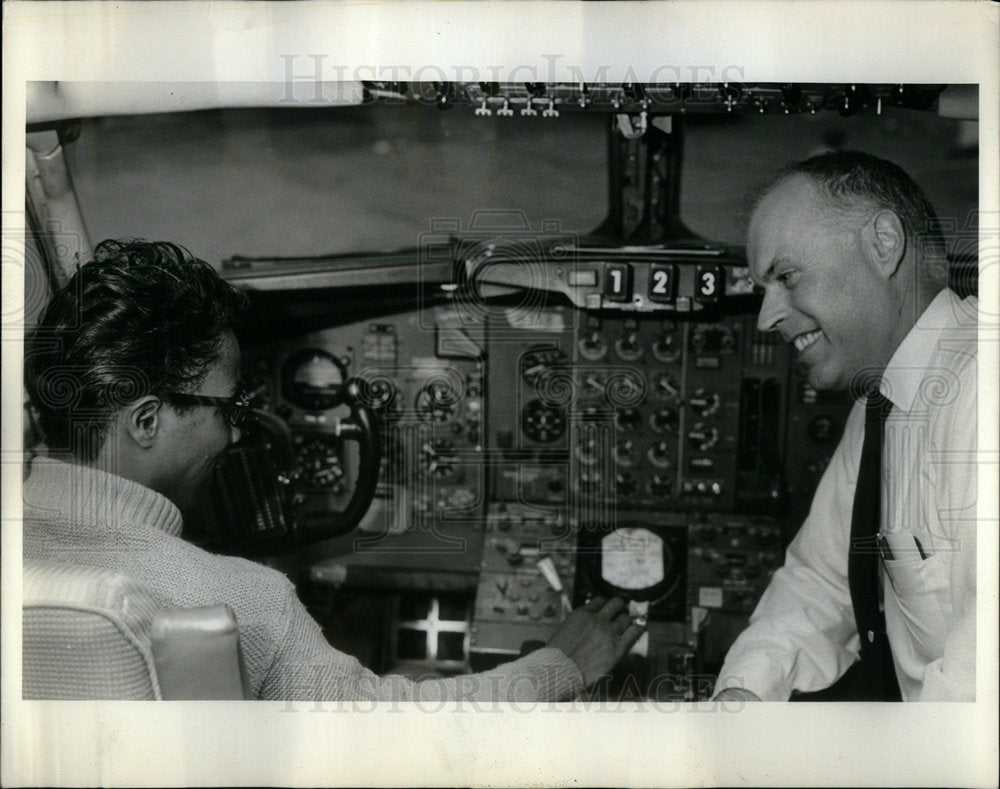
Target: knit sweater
80 515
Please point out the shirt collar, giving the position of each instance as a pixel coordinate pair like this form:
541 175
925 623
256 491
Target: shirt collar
912 360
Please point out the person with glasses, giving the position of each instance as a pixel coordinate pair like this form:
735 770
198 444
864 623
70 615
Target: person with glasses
133 371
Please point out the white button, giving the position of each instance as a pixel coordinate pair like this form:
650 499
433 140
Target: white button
871 636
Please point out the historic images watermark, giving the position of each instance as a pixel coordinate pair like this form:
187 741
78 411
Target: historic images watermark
335 82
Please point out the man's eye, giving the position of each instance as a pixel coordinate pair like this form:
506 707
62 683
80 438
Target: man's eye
786 278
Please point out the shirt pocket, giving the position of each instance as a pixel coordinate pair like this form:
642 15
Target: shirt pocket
920 591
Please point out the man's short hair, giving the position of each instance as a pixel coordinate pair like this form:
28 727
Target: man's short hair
141 317
845 177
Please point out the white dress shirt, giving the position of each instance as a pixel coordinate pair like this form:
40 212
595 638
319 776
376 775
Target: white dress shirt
802 635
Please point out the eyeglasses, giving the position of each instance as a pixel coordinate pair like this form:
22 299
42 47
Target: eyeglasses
236 409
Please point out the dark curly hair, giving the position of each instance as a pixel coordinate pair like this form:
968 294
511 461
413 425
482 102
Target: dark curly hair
141 317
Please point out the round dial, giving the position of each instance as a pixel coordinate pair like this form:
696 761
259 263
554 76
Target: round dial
313 379
665 386
379 393
625 389
659 454
436 401
589 482
633 559
540 360
587 450
704 402
627 419
703 437
627 347
593 385
624 453
437 457
665 349
542 423
319 459
625 483
592 346
664 421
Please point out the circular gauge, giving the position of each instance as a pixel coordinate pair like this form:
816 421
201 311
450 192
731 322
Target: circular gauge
313 379
705 402
542 423
625 389
437 457
593 385
664 421
318 456
539 360
625 483
627 419
635 563
627 347
624 453
592 346
436 401
589 482
665 349
659 454
379 393
703 437
665 387
588 449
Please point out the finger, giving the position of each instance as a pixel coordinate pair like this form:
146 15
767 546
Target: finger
620 622
613 607
594 605
627 640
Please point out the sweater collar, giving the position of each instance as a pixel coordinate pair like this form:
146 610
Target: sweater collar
88 495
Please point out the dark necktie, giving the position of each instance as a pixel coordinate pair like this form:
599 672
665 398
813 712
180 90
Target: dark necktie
877 679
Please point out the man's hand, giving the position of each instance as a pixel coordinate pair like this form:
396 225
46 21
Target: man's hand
595 636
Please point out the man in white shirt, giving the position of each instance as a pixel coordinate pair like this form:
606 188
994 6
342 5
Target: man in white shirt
853 270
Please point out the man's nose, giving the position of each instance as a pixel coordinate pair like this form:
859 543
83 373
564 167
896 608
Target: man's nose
772 309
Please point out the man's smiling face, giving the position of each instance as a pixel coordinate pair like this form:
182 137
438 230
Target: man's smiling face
821 291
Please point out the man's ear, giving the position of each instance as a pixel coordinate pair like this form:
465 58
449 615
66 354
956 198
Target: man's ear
886 242
142 420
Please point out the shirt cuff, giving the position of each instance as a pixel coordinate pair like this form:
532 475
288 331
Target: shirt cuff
755 673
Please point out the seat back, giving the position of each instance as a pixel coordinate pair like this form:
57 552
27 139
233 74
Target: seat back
90 633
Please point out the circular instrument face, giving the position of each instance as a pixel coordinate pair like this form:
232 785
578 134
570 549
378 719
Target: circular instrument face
437 401
665 386
539 360
313 379
319 458
542 423
438 458
705 402
664 421
627 419
703 436
633 559
379 393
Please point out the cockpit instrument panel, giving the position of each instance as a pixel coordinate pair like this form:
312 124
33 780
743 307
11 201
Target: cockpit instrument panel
537 454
